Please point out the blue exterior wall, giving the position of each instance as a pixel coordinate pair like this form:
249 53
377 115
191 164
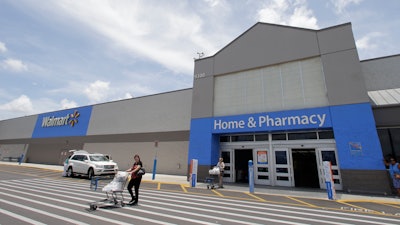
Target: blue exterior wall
356 138
76 123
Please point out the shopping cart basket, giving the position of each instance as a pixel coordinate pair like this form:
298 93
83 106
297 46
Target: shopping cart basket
213 177
113 190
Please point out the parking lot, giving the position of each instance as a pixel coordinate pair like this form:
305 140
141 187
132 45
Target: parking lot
387 206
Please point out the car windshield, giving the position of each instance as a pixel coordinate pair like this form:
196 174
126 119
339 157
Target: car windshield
98 158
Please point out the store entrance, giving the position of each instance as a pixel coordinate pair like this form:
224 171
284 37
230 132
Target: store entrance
242 157
305 168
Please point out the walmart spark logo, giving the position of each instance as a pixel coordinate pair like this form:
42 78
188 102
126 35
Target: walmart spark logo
73 118
69 119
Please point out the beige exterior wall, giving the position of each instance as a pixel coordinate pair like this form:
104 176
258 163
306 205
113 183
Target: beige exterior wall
172 156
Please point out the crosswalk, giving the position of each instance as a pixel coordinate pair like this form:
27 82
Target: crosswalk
66 201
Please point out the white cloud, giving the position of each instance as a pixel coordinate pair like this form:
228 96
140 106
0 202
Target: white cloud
159 32
68 104
128 95
213 3
2 47
21 104
97 91
341 5
368 41
14 65
288 12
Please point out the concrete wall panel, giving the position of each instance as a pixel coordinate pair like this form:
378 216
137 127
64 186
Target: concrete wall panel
334 39
266 44
17 128
381 73
156 113
343 78
203 97
171 156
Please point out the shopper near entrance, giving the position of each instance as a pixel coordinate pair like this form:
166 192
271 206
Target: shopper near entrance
135 180
221 166
394 170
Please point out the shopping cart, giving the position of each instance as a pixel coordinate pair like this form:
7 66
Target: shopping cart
213 178
113 190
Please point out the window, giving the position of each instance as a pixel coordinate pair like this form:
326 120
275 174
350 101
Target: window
281 158
242 138
261 137
278 137
329 156
326 134
224 139
302 136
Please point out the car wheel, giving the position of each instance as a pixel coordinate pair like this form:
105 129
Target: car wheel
90 173
70 172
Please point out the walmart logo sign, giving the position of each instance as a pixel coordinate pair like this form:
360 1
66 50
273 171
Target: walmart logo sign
69 122
69 119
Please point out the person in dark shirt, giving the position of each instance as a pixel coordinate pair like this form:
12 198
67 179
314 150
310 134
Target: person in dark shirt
135 180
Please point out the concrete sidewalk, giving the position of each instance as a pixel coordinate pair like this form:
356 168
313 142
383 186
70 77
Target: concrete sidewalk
261 189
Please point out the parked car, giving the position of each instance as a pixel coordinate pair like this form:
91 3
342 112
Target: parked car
90 164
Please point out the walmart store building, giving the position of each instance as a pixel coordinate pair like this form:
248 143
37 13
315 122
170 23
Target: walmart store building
285 97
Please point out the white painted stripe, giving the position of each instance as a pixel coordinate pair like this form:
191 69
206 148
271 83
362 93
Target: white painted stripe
43 212
80 205
225 213
294 210
217 218
133 209
254 205
245 214
245 203
45 190
19 217
61 208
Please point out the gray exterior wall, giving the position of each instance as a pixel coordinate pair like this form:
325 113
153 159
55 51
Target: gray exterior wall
18 128
120 129
343 78
359 181
157 113
172 156
381 73
267 44
387 116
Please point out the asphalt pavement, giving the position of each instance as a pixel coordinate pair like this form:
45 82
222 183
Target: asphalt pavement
286 191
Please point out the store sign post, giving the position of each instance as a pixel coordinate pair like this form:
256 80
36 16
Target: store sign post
193 172
330 185
251 176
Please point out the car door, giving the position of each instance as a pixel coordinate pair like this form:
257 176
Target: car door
84 164
78 164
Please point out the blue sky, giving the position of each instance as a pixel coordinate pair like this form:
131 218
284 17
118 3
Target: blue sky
60 54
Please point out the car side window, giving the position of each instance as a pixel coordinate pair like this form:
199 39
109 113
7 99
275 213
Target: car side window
84 157
75 157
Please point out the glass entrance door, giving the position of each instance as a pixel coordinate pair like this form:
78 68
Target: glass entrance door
261 166
283 168
328 154
227 155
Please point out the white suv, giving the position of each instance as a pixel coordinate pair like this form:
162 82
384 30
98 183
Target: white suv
90 164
